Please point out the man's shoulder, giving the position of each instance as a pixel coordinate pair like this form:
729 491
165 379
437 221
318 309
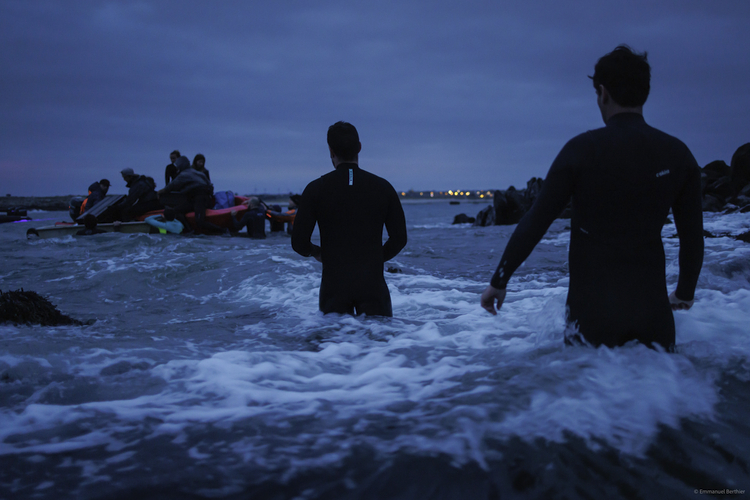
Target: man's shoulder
668 138
375 178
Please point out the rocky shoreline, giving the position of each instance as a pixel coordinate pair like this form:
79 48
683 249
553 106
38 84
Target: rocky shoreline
48 203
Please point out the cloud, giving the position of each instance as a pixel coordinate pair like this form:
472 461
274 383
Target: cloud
476 94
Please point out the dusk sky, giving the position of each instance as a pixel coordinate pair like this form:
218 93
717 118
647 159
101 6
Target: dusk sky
445 95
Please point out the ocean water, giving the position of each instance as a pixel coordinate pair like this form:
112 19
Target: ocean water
209 373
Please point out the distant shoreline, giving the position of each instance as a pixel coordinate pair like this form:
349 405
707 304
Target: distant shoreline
60 203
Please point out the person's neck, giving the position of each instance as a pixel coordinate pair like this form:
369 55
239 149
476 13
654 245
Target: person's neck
336 161
617 110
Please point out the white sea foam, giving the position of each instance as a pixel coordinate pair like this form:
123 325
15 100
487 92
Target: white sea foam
166 359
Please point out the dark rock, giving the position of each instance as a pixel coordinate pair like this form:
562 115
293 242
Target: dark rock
722 188
22 307
394 270
716 169
533 188
485 217
741 167
509 206
463 219
743 237
49 203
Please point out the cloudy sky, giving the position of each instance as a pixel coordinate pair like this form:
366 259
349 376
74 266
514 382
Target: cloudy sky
461 94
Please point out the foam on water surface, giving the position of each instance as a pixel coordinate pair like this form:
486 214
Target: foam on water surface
213 352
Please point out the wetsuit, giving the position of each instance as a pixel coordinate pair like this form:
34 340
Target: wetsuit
622 179
350 207
255 220
141 198
96 194
170 173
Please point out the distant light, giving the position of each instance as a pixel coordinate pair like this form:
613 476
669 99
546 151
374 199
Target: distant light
450 191
403 194
481 196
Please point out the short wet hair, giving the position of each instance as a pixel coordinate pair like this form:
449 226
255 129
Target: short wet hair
625 74
175 153
343 140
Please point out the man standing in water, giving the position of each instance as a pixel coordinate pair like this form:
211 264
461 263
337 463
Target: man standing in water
350 206
622 180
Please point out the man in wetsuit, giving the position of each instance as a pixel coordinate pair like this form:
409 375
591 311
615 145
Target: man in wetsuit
141 197
350 206
622 179
170 172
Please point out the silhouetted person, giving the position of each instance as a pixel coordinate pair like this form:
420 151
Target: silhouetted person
254 218
279 217
166 223
350 206
97 192
197 193
622 179
199 163
170 172
141 197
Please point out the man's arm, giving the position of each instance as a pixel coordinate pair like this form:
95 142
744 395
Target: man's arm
304 224
688 219
134 194
554 196
395 224
176 185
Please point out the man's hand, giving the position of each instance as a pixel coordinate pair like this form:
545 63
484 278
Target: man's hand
679 304
489 296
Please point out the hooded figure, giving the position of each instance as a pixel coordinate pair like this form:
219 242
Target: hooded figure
197 195
97 192
141 195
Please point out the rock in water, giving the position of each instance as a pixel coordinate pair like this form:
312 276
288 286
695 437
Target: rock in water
740 169
463 219
30 308
485 217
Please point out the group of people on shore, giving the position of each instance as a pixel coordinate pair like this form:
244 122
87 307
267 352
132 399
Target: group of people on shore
188 188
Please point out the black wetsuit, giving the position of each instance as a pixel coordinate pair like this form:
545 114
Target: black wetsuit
141 198
255 220
170 173
622 179
351 206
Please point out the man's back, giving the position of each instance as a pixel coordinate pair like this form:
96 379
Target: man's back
351 206
623 180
